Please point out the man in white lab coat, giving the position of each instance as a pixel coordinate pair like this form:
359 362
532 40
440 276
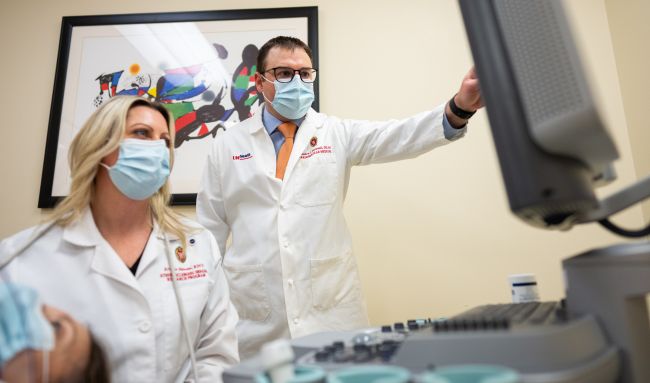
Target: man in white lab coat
277 182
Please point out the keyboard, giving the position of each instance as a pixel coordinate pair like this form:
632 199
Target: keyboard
504 316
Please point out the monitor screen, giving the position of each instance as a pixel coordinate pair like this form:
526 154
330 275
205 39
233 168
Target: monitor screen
553 148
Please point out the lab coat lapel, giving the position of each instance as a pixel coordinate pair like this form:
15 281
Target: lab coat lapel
263 149
105 261
303 136
155 247
83 232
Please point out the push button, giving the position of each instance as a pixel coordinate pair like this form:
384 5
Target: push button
144 326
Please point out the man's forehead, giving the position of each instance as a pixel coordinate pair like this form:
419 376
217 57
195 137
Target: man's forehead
281 54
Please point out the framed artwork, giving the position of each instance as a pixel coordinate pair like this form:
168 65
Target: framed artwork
200 65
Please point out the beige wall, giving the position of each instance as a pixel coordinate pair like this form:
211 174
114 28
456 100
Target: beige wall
433 235
628 22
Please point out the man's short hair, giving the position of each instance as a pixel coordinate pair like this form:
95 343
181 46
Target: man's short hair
286 42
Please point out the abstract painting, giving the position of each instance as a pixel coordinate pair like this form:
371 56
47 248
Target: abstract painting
199 65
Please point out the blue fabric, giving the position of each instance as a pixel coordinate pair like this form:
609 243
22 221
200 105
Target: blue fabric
22 323
450 132
271 124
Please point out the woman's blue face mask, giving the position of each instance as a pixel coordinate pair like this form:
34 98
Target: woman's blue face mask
22 323
142 167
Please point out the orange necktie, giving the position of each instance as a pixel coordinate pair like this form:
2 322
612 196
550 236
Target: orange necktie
288 130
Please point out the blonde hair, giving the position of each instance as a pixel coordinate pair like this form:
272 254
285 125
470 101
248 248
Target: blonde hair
100 136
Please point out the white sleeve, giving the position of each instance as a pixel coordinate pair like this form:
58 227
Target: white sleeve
210 210
217 347
376 142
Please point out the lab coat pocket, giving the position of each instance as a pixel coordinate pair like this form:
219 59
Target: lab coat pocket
333 281
248 291
318 181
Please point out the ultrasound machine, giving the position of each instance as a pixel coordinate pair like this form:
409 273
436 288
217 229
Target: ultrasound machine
553 151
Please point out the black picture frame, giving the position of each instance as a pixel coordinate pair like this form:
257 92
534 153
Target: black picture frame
48 197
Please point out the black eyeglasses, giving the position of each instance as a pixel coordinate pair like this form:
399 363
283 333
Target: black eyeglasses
284 74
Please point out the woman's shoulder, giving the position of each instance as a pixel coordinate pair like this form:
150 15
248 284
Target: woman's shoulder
26 236
20 241
195 230
196 235
192 225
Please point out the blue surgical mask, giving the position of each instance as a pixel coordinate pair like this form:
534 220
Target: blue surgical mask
142 167
293 99
22 323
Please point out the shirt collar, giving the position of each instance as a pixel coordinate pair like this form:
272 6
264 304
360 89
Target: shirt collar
271 122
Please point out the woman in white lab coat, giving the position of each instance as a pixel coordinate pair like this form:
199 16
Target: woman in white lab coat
148 283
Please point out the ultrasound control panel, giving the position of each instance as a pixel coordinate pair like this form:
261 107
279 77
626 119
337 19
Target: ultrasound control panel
372 346
538 340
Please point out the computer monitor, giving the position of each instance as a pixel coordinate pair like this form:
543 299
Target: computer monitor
554 150
552 146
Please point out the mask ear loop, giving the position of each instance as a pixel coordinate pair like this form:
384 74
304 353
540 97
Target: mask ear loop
181 310
266 99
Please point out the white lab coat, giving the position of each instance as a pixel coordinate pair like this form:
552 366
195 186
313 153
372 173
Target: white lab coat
136 319
290 265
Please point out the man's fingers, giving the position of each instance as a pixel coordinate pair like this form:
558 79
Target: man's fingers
471 85
472 73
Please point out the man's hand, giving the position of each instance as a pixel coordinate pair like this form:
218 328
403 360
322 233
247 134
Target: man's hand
468 99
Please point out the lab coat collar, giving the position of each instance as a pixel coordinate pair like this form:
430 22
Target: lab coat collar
255 122
160 234
83 232
105 261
